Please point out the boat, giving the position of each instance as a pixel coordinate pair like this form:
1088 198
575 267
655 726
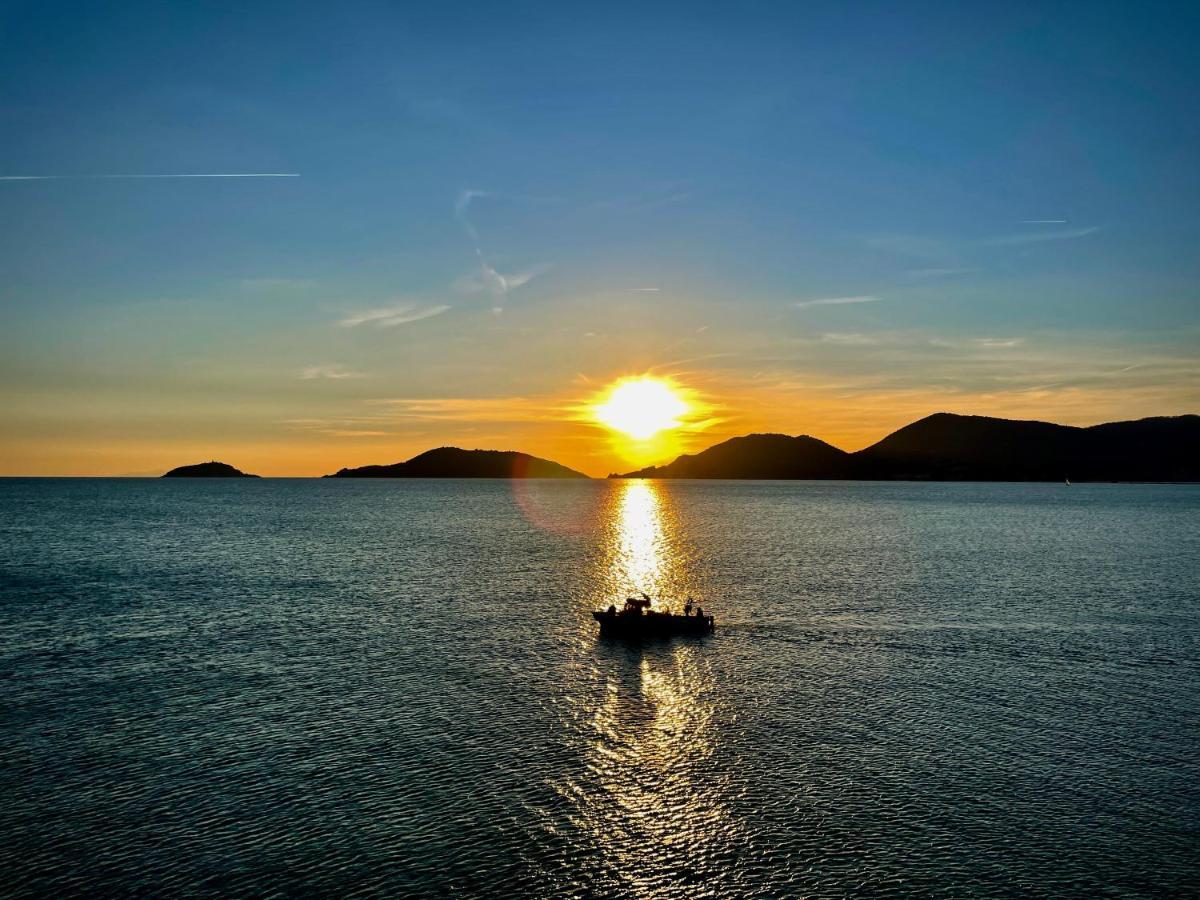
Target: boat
638 620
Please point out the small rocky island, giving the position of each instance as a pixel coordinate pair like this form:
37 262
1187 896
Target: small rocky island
453 462
211 469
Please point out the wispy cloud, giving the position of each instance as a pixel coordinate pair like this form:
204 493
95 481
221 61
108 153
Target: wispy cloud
347 426
1037 237
995 343
172 175
666 194
490 279
849 339
390 316
475 409
496 282
462 208
334 371
645 290
835 301
944 258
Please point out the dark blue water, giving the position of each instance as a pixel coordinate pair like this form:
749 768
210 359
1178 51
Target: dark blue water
346 687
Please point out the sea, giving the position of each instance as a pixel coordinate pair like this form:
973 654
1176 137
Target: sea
278 687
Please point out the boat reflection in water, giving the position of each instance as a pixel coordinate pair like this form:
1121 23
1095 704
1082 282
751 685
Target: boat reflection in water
646 726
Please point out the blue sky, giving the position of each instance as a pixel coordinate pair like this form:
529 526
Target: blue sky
1009 197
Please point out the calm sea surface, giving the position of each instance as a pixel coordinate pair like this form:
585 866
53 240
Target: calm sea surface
394 687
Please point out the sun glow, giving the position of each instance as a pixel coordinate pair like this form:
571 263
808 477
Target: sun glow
641 407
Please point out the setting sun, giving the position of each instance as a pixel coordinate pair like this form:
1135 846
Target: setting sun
641 407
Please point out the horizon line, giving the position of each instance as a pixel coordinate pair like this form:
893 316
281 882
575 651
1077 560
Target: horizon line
664 463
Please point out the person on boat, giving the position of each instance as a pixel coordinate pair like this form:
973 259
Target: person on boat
687 607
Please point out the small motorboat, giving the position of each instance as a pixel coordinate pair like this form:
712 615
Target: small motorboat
638 620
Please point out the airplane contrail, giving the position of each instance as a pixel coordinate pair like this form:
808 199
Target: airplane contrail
181 175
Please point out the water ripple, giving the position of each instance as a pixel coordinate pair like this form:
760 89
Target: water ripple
357 689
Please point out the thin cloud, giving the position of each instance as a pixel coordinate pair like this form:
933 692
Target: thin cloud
1037 237
835 301
462 207
172 175
496 282
474 409
490 279
646 290
655 197
334 371
993 343
391 316
1043 221
849 339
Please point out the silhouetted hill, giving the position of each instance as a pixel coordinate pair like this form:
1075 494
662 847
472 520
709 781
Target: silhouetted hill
451 462
947 447
208 470
758 456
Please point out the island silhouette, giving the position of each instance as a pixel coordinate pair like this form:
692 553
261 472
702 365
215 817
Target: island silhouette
454 462
212 469
940 447
949 447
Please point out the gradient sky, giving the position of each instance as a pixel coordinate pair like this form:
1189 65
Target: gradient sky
823 219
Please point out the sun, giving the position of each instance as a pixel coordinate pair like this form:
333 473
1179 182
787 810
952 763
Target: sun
641 407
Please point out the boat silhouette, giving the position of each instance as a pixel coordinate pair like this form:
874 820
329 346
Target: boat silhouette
637 620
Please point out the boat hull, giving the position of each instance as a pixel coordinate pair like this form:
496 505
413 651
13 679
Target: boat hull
651 625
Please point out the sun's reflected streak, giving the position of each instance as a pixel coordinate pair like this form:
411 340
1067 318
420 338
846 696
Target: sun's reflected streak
649 729
639 559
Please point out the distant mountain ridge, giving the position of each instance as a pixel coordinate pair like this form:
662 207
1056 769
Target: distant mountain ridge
211 469
950 447
453 462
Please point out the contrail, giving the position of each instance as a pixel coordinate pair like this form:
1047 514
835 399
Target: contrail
185 175
1043 221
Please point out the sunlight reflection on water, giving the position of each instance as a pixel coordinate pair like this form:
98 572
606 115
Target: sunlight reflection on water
647 729
643 548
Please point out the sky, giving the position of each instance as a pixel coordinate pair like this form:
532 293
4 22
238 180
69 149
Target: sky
826 219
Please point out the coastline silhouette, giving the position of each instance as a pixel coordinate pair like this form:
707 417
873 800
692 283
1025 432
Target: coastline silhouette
939 447
949 447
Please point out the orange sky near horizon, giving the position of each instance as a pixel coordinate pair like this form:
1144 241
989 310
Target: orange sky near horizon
556 427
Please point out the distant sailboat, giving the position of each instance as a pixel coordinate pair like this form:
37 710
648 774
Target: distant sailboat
1068 481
